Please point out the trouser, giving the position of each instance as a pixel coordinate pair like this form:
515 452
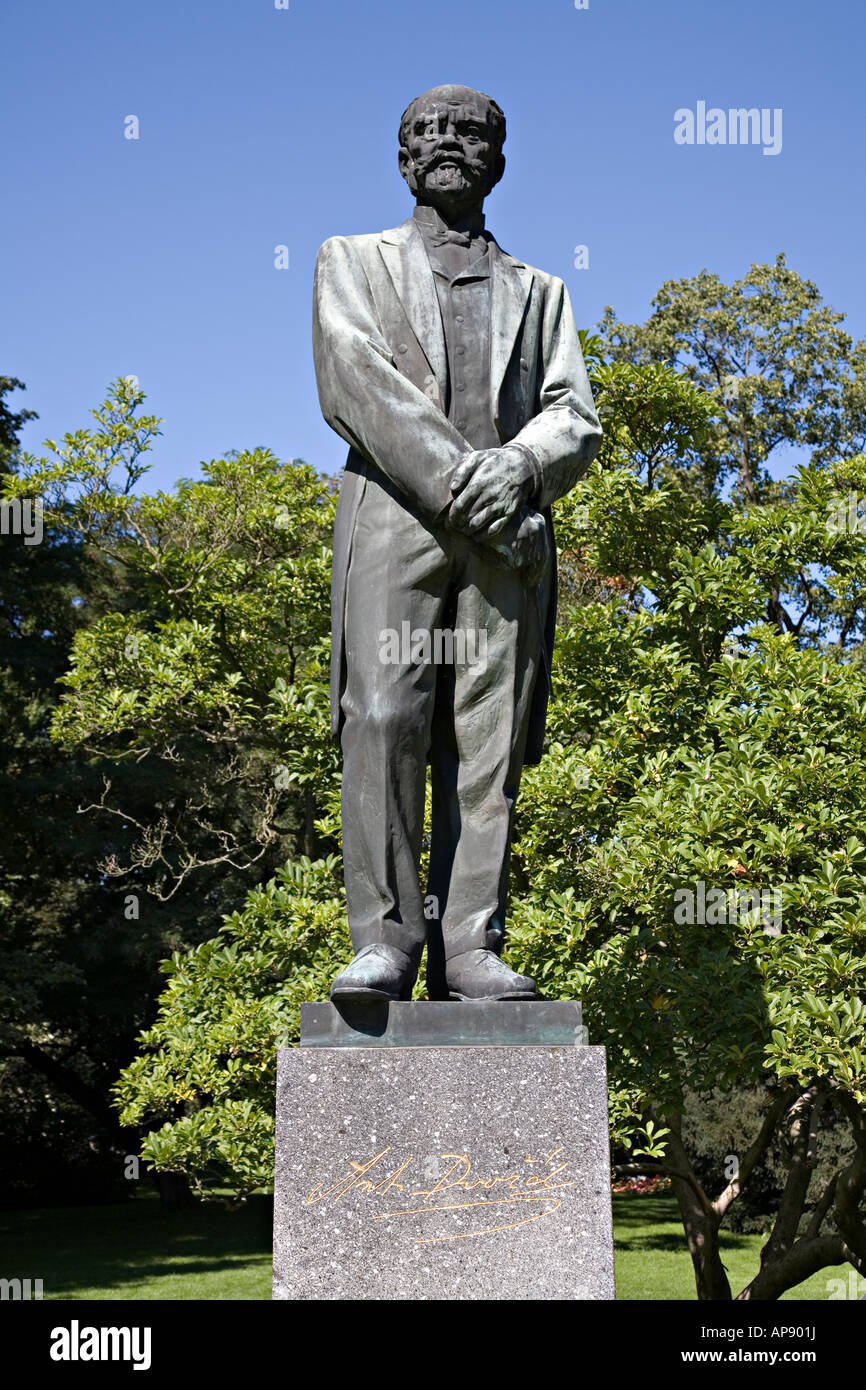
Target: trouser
410 583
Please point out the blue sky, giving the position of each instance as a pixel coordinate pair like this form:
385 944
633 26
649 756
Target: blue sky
262 127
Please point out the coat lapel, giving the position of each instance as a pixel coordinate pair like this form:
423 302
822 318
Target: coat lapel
403 253
510 283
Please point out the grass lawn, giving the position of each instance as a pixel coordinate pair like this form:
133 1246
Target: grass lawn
136 1251
652 1259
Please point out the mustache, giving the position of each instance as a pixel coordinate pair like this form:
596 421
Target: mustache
433 161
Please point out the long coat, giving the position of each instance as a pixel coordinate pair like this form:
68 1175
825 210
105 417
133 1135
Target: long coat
381 369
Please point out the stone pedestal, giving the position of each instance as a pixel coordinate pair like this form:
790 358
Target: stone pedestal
438 1171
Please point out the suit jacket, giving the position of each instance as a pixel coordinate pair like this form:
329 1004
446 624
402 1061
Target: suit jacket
381 370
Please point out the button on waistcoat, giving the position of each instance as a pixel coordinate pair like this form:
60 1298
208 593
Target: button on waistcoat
461 272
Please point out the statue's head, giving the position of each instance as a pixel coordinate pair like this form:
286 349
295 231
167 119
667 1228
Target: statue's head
451 142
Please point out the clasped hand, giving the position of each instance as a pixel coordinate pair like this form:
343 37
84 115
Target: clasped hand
490 488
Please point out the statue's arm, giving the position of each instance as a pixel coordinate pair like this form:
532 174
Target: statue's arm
563 438
365 398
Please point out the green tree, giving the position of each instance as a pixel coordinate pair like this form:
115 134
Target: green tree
141 808
68 1020
774 360
207 1068
682 764
202 676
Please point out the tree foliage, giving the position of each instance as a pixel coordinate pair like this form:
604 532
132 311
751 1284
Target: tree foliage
139 808
224 586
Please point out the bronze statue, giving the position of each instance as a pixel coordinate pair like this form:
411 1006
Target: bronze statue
454 372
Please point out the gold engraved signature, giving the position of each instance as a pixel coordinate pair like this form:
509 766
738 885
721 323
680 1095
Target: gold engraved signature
514 1189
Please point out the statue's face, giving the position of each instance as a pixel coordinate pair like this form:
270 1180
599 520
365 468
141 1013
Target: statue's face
450 157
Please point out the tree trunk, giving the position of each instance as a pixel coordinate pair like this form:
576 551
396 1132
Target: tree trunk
309 824
700 1223
175 1193
702 1234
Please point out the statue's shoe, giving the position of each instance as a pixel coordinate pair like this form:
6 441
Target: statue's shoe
377 972
482 975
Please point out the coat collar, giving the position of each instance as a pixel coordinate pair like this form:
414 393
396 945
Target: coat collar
402 249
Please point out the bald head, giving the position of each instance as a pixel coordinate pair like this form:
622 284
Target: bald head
451 142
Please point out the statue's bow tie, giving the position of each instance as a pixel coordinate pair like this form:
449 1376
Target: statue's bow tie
450 237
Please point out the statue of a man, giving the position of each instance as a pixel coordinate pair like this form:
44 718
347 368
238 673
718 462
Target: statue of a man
454 372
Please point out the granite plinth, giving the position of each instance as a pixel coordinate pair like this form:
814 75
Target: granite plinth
487 1023
456 1172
